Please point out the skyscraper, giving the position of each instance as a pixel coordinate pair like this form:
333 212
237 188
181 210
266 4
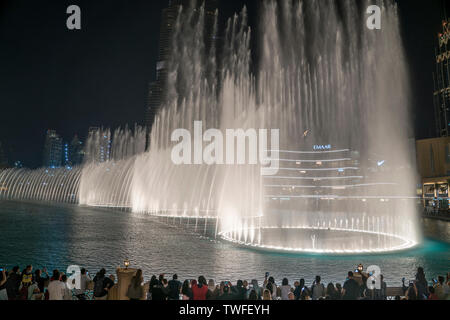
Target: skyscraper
76 152
157 89
53 150
98 145
66 160
441 77
3 160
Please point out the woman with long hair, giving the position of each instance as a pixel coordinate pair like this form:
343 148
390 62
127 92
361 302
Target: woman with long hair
186 290
267 295
285 289
135 289
269 287
421 285
200 289
332 293
299 289
213 290
253 296
411 293
339 291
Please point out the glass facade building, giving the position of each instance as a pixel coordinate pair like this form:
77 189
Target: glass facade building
53 150
157 89
76 152
441 77
3 160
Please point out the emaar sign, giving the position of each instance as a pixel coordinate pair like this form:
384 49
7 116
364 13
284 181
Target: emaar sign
322 147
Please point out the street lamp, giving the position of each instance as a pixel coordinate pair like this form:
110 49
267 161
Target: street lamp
126 263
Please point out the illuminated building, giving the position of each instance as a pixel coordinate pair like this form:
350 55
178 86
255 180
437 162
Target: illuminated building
66 154
53 150
441 77
3 160
157 89
98 145
76 152
433 160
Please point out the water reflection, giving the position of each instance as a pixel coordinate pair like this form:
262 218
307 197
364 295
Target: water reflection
55 237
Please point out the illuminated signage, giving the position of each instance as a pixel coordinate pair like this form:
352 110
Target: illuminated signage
322 147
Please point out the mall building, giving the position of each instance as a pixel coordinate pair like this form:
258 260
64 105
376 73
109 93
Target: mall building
433 163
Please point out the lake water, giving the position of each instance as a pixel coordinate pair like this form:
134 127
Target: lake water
59 236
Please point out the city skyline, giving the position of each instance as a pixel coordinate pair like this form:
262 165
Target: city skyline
54 91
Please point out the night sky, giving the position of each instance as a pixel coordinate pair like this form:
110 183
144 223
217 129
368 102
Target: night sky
53 78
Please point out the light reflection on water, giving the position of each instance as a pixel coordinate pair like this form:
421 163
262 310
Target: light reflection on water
56 237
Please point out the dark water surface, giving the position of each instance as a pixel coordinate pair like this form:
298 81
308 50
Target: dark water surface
59 236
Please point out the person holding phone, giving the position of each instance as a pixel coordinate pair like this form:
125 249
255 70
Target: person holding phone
361 277
299 289
432 295
412 292
255 287
226 295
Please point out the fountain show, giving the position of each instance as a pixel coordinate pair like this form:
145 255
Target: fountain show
225 150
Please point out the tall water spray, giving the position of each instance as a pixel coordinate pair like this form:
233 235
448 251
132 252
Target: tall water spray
323 78
337 91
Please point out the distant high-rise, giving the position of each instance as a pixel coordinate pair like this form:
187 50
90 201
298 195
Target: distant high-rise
53 150
66 160
441 77
76 152
157 89
3 159
18 164
98 145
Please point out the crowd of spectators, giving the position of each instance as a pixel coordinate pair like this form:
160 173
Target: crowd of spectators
39 285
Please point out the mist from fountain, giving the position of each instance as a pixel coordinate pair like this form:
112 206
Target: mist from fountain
52 185
108 183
